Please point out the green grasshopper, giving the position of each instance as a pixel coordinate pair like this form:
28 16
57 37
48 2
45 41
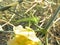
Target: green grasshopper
33 20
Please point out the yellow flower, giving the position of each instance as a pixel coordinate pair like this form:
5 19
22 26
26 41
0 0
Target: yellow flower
24 37
21 40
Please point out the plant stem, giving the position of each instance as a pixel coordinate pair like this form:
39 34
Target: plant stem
10 5
46 39
49 24
52 18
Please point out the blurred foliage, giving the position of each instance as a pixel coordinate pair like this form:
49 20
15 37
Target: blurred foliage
38 15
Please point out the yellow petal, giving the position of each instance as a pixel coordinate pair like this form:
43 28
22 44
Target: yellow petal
24 36
21 40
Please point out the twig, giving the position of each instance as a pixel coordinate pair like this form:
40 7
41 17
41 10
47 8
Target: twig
9 21
30 8
10 5
6 22
7 31
56 20
53 35
58 42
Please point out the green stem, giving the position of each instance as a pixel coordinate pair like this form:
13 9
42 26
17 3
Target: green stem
46 39
52 18
49 24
